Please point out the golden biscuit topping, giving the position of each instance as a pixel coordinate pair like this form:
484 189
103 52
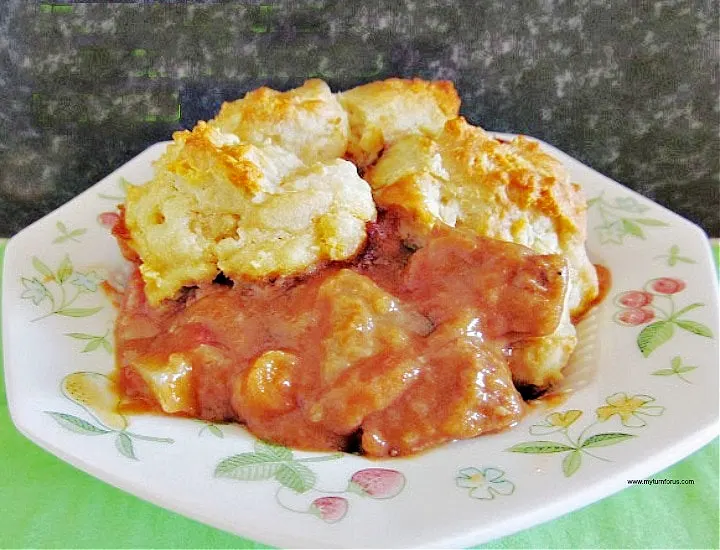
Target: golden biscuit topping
382 112
308 121
263 189
251 212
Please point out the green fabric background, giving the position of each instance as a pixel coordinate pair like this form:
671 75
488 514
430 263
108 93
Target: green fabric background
47 503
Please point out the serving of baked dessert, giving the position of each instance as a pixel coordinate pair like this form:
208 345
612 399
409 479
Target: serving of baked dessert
362 271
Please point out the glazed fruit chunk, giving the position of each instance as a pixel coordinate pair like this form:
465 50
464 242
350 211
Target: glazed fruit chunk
368 386
360 319
267 386
464 390
509 288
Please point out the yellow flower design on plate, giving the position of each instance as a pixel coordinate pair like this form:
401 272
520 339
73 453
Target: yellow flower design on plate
555 422
563 420
630 409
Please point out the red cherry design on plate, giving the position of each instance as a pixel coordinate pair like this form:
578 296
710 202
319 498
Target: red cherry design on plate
667 285
329 509
634 316
377 483
635 298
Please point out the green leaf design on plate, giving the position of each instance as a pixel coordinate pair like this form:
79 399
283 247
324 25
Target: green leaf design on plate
695 328
124 444
632 228
248 467
682 370
277 452
94 341
151 438
619 219
571 463
670 372
653 336
76 424
124 185
64 270
42 268
79 311
664 372
686 309
80 336
540 447
297 477
217 432
605 439
71 236
629 204
92 346
650 221
673 256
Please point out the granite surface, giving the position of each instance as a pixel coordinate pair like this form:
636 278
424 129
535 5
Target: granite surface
629 88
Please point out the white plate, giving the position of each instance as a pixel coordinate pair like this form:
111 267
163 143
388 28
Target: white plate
632 413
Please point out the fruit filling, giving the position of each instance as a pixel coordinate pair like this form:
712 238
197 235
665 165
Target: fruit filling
389 354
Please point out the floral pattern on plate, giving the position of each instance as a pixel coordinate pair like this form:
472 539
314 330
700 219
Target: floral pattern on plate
278 463
673 257
676 369
621 217
639 307
67 234
484 483
630 409
60 288
94 392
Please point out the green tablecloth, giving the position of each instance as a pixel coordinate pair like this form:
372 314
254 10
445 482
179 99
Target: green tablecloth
48 503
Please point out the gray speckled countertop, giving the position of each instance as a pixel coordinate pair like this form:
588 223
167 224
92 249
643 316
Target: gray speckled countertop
630 91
